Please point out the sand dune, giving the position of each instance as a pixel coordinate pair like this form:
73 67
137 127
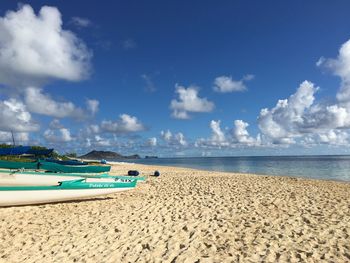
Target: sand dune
188 216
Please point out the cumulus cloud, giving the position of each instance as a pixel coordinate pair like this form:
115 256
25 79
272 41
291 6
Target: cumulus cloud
92 106
287 119
241 135
189 102
177 139
53 53
219 139
226 84
166 135
38 102
55 124
14 116
218 136
340 67
300 117
6 137
93 129
180 139
100 141
125 124
334 137
60 135
152 142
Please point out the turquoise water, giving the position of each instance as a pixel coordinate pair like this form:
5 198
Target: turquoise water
335 167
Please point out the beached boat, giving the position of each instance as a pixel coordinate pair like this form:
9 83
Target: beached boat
25 177
65 162
63 191
18 165
55 167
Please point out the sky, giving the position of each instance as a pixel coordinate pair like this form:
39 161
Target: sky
176 78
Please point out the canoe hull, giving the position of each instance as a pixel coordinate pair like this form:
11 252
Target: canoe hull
8 178
13 198
15 179
64 191
55 167
18 165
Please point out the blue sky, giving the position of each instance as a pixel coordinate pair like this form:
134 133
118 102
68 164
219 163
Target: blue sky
176 78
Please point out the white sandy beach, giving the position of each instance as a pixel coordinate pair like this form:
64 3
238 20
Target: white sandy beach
188 216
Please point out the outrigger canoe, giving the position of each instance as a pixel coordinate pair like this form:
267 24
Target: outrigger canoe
55 167
65 162
63 191
18 165
25 177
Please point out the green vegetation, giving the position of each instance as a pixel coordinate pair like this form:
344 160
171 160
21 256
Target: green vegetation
38 147
54 155
14 158
4 145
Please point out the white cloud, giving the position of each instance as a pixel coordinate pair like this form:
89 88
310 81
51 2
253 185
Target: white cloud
60 135
300 117
99 141
226 84
39 39
93 129
125 124
217 139
180 139
189 102
288 120
40 103
152 142
241 135
334 137
166 135
177 139
80 21
55 124
218 135
340 67
92 106
6 137
14 116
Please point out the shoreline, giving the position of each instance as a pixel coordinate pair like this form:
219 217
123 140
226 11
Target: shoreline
187 215
231 173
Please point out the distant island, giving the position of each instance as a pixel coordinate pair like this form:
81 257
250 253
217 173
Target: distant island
151 157
107 155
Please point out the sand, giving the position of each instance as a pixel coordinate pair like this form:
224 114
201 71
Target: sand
188 216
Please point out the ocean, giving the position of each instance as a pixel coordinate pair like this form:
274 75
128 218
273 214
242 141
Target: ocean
334 167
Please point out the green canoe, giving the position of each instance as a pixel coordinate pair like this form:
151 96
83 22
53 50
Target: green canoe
59 168
55 167
18 165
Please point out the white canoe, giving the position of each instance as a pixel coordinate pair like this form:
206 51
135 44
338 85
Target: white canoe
66 191
37 179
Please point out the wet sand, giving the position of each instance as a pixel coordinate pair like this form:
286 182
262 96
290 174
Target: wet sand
187 215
